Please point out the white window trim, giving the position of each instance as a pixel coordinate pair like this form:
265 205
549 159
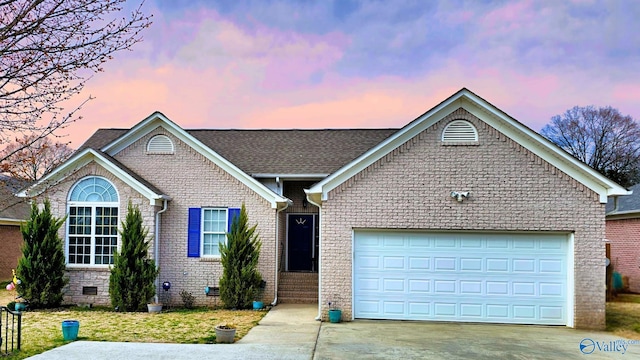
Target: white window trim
202 232
93 206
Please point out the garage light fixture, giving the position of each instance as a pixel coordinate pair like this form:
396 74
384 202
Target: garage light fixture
460 195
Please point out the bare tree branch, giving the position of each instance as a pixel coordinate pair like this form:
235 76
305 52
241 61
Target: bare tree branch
602 138
48 50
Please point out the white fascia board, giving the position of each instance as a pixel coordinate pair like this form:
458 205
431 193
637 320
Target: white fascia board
289 176
9 221
158 119
544 148
79 161
621 215
499 120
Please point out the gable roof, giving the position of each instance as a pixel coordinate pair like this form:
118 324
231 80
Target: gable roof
157 119
627 206
491 115
276 152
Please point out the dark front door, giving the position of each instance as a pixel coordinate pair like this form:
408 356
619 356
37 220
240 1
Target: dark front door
300 236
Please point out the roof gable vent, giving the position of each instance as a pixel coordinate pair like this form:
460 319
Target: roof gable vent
459 131
160 144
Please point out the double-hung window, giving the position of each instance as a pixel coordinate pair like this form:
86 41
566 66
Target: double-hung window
92 224
208 227
214 231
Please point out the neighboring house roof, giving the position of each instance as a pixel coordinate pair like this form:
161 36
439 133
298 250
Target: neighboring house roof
491 115
626 207
277 152
13 210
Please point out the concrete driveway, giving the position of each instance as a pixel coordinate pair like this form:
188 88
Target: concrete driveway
367 339
289 332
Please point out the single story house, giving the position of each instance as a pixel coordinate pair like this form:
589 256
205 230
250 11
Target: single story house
623 233
464 214
13 211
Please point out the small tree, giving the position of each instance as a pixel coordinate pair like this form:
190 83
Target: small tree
131 284
241 279
42 265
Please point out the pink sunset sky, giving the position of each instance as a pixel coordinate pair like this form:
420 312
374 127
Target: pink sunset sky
343 63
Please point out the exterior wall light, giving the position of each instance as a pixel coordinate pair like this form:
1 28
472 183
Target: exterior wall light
460 195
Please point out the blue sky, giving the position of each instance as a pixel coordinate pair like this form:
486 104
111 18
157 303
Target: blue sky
328 64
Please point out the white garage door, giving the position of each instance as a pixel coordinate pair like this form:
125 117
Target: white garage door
499 278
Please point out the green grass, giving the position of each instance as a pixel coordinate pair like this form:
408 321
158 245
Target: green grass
623 316
41 330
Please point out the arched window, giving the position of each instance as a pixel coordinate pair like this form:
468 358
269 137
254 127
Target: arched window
92 224
160 144
459 131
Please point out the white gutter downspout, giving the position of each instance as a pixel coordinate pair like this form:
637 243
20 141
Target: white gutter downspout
275 295
156 250
319 317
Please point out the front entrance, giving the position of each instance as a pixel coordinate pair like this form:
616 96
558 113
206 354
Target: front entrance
301 242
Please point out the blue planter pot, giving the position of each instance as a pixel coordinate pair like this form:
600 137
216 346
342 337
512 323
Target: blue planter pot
70 329
258 305
335 315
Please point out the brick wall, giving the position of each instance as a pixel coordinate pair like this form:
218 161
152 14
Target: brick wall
624 235
511 190
193 181
81 276
11 244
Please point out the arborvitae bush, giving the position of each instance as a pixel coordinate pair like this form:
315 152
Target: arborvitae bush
241 279
131 284
42 265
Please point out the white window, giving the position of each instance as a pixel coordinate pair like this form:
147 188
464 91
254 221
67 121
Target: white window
214 230
92 225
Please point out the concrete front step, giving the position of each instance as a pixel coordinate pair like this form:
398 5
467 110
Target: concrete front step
298 288
297 300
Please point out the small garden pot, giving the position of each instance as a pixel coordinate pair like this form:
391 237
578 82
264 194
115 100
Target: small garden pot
335 315
154 308
225 336
258 305
70 329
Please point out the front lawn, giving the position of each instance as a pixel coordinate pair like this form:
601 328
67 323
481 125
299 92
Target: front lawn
41 330
623 316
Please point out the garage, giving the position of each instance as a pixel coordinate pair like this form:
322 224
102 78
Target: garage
516 278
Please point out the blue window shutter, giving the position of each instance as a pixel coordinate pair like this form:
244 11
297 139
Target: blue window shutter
232 213
193 236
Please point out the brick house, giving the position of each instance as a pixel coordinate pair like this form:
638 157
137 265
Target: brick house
13 211
464 214
623 233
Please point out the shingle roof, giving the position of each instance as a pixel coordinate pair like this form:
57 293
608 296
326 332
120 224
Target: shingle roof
12 207
277 151
626 203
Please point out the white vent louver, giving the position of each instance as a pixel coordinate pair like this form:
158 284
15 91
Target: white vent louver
160 144
459 131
